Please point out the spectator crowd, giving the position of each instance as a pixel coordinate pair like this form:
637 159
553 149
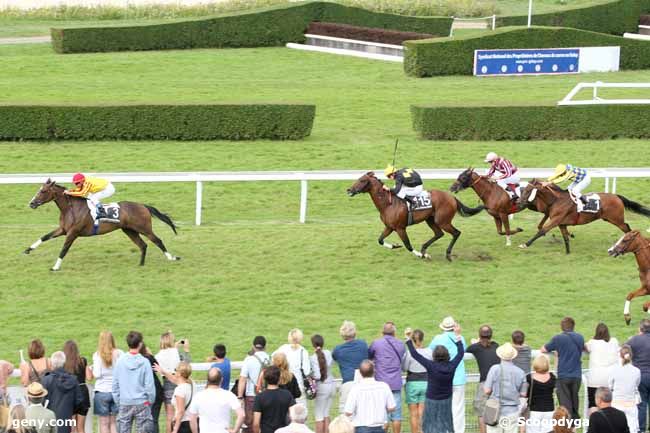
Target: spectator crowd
517 392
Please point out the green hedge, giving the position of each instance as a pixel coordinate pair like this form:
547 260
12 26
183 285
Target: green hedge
156 122
616 17
599 122
266 27
455 56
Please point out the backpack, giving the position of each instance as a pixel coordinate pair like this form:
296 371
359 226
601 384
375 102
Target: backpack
264 364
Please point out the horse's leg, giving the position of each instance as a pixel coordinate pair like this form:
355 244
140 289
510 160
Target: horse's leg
506 223
499 224
453 231
542 222
387 231
51 235
551 225
565 236
641 291
135 237
69 239
401 232
159 243
437 235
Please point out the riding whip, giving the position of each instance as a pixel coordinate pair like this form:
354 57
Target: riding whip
395 151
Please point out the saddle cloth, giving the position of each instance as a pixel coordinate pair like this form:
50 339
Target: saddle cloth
421 201
592 206
111 212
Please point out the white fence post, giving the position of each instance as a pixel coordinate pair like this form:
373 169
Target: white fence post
303 201
199 202
606 184
614 185
494 22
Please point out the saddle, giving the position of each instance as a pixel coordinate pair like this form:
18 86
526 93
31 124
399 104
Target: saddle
514 190
592 203
108 213
417 202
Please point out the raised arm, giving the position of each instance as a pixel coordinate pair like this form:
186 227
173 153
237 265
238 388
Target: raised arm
459 356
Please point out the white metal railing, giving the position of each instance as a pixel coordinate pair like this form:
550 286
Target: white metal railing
596 100
301 176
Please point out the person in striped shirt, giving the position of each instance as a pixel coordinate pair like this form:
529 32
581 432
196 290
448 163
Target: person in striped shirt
508 173
94 189
579 177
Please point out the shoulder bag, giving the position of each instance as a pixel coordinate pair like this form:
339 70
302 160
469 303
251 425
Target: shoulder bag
308 381
492 408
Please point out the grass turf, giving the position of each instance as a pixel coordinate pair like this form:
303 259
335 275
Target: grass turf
252 268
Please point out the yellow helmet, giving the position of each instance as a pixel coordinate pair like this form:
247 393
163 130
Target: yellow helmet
390 169
559 169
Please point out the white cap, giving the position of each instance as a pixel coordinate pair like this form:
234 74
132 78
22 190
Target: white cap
491 157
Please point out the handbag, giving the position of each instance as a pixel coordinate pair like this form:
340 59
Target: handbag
308 382
525 410
492 408
4 413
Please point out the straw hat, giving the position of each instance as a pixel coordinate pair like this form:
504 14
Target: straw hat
447 324
507 352
36 390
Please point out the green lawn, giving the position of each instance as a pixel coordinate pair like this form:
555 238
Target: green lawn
252 268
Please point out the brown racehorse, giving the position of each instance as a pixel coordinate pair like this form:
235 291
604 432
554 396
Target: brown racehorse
633 242
497 202
75 221
562 210
394 214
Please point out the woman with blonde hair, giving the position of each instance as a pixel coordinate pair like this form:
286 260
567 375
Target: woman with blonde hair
38 363
561 421
168 358
183 395
341 424
104 360
541 385
624 382
298 359
287 378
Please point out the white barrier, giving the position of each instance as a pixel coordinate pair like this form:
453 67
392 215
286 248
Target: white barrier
596 100
301 176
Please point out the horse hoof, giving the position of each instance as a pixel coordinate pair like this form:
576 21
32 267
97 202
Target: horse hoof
54 270
396 246
427 256
448 257
508 244
628 320
572 235
519 230
177 258
27 251
523 246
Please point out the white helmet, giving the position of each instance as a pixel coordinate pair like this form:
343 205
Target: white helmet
491 157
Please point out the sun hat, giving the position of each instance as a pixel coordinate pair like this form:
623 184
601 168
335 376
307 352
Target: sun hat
447 324
507 352
36 390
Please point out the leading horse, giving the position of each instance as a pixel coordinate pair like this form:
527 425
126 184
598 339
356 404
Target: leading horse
633 242
394 214
75 221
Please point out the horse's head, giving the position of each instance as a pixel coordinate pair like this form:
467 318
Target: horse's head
528 194
45 194
625 244
363 184
463 181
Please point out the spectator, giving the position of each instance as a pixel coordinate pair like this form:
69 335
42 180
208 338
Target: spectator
569 346
76 365
298 359
416 379
607 419
6 369
438 414
624 383
249 374
34 368
341 424
223 364
15 423
387 352
298 416
485 352
351 353
169 356
506 382
213 407
287 379
36 412
640 345
158 402
133 388
448 340
603 357
523 351
272 405
321 366
104 360
369 401
183 395
541 385
62 389
562 420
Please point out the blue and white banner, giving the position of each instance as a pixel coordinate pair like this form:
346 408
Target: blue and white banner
527 61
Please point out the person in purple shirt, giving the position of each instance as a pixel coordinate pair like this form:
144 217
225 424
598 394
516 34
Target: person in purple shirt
387 352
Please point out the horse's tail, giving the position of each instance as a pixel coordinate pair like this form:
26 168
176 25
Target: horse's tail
634 206
468 211
162 217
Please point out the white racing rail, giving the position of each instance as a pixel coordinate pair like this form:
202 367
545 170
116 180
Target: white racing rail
300 176
596 100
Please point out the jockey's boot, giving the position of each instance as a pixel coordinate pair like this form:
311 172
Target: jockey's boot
100 212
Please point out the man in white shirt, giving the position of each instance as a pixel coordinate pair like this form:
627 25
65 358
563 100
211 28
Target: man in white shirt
213 407
369 402
298 415
249 373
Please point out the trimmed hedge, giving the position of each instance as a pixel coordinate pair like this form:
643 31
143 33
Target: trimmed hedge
265 27
455 56
364 33
616 17
598 122
156 122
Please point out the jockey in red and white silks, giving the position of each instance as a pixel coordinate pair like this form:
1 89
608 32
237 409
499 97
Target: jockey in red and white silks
507 170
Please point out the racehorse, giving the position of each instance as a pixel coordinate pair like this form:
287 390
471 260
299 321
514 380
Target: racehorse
633 242
394 214
75 221
497 202
562 210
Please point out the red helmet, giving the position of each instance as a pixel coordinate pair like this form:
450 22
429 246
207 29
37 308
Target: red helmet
78 178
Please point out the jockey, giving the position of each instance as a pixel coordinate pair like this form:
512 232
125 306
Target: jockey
508 172
579 177
408 182
94 189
